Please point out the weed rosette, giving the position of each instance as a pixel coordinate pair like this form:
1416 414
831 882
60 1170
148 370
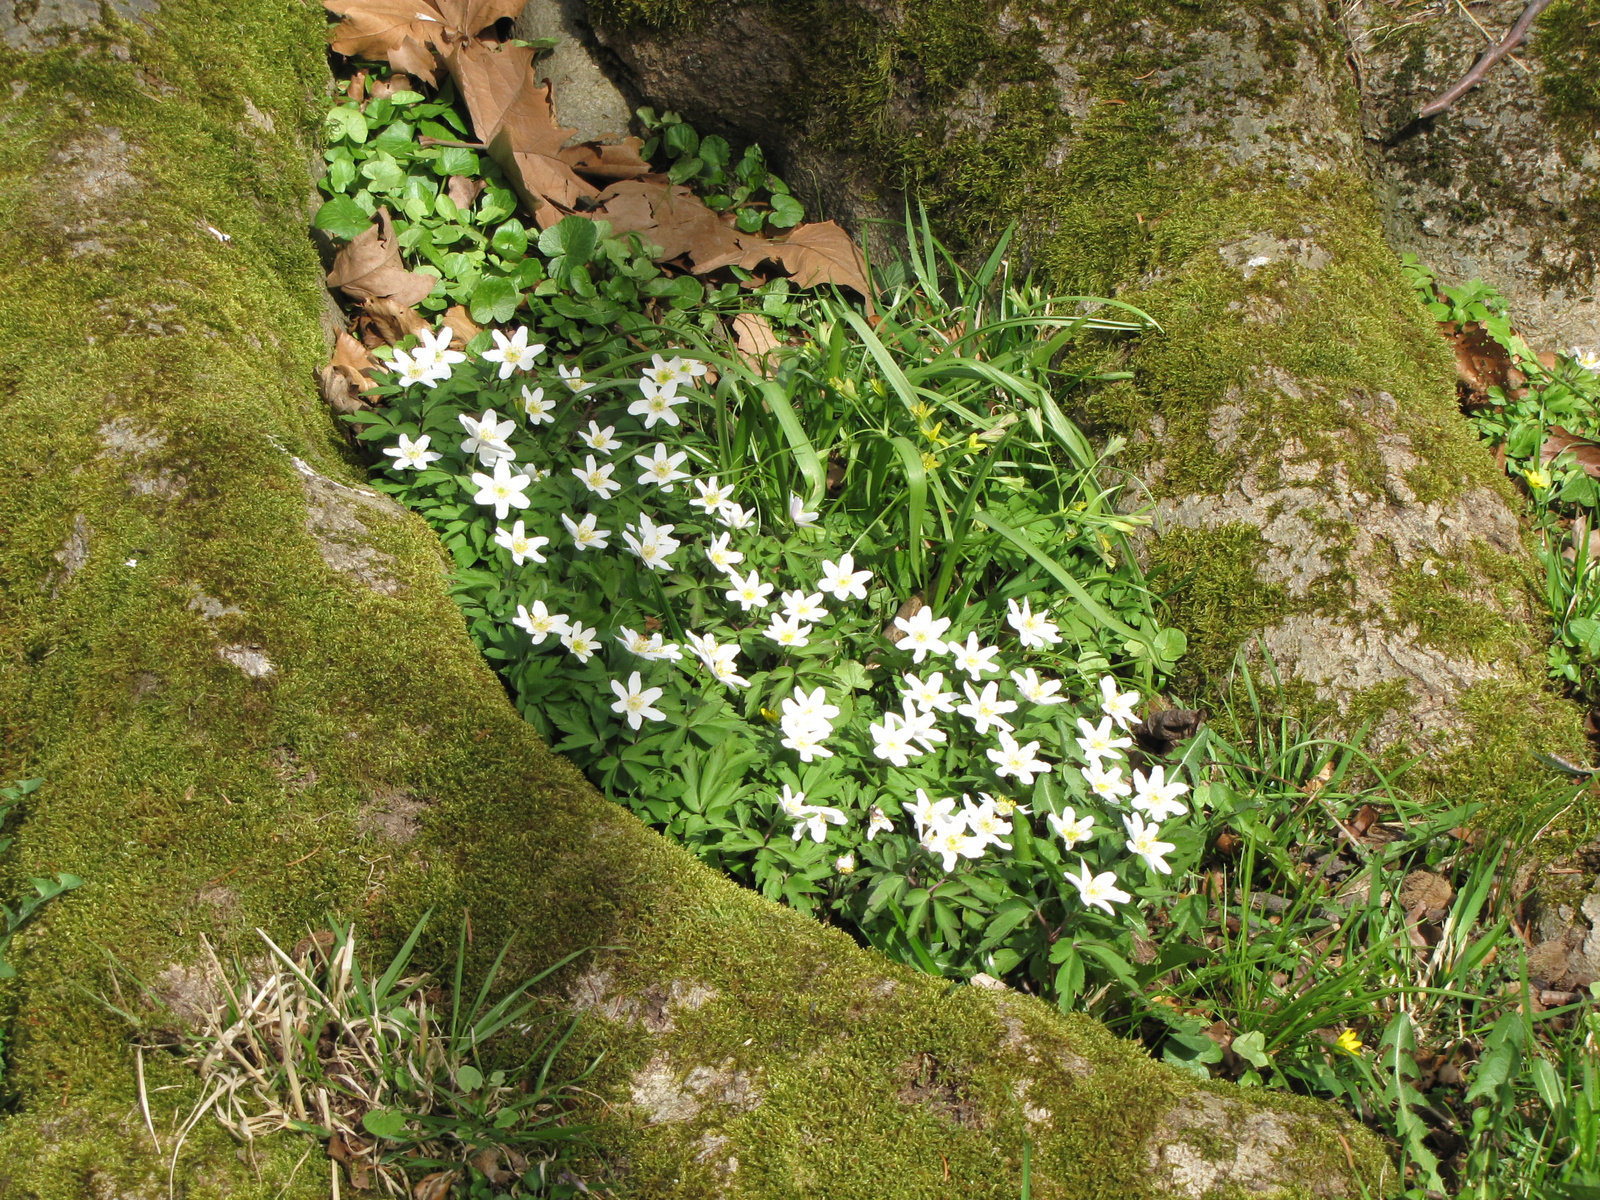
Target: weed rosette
762 655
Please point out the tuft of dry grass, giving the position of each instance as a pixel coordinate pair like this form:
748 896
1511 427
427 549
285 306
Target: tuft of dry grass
390 1070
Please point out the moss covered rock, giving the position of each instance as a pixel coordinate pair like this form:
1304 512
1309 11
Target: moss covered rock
254 703
1319 499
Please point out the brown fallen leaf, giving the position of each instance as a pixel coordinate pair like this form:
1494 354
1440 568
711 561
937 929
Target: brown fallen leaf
1424 890
541 182
357 90
344 378
814 254
398 81
350 357
1558 441
606 160
370 267
1364 820
1481 362
384 322
397 31
463 192
402 31
673 219
461 326
435 1186
755 340
504 94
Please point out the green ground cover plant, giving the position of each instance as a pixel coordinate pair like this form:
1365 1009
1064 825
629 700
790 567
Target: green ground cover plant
851 614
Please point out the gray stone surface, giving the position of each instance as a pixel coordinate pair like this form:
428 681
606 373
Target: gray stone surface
1484 189
586 95
41 24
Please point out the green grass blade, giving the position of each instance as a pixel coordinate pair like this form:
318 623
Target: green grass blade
805 454
1073 588
917 507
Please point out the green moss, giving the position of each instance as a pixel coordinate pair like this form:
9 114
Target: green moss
1444 601
1211 581
157 385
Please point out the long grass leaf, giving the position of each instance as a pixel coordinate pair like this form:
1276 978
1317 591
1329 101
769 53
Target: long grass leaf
805 454
1073 588
917 500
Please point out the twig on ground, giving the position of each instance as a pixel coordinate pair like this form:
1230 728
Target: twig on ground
1494 54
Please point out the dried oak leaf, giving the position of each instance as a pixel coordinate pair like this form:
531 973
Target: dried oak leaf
401 31
461 326
673 219
382 89
1586 453
384 322
344 378
435 1186
606 160
755 340
370 267
814 254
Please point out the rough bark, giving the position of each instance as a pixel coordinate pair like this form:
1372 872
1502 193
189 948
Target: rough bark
1318 497
254 703
1505 185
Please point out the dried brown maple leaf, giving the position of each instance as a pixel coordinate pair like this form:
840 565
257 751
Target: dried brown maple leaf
1586 453
503 94
814 254
608 160
401 31
755 340
673 219
461 326
541 182
370 268
383 322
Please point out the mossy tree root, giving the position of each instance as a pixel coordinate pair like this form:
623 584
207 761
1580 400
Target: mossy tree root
254 704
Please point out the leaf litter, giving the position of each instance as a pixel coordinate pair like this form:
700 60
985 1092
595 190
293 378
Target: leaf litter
513 114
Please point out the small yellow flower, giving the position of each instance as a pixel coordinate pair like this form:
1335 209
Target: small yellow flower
1349 1041
1537 479
770 716
929 461
973 443
922 410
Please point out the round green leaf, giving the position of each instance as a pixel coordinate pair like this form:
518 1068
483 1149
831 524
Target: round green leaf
575 237
495 299
511 240
469 1078
342 217
786 211
384 1122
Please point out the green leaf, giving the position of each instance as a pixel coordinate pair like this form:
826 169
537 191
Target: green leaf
574 238
917 495
342 217
750 220
786 212
495 299
469 1078
384 1122
511 239
1073 587
346 122
1252 1047
457 160
341 174
805 454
